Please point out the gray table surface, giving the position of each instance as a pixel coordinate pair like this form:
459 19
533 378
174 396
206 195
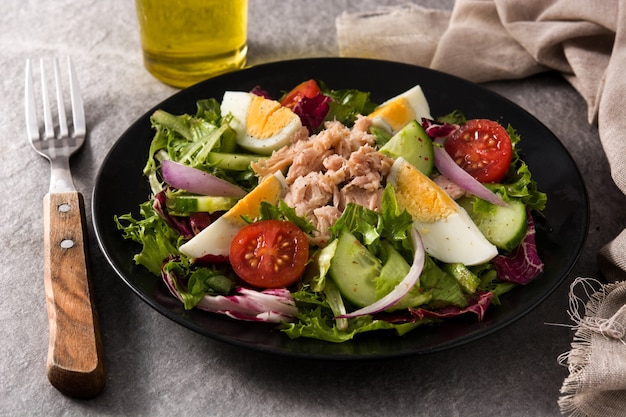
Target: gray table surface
156 367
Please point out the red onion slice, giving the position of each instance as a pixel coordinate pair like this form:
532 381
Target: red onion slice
196 181
446 165
403 287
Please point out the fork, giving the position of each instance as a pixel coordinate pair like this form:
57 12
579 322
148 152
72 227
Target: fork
75 356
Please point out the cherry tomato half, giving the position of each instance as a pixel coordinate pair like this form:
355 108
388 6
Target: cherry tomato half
269 253
308 89
482 148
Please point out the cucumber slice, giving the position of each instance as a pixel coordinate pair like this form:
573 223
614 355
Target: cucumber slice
353 269
504 227
232 161
414 145
182 205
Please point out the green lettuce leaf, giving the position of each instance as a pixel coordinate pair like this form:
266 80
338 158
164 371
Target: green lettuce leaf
444 289
371 227
347 104
200 281
317 323
157 239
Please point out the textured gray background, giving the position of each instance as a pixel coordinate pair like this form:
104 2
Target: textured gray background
157 368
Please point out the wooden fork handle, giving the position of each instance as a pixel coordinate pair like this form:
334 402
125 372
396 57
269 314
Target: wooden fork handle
75 356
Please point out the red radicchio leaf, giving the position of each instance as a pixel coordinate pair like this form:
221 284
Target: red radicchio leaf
272 306
438 130
199 221
208 260
312 111
257 90
478 305
523 265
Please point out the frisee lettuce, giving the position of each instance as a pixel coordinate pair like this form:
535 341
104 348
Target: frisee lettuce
519 182
157 239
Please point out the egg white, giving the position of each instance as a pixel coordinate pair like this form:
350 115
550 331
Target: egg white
456 238
237 104
214 240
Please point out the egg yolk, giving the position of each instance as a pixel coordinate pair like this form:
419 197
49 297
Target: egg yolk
269 190
421 197
266 118
396 113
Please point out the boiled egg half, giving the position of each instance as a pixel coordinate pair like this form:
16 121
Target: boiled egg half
400 110
447 231
215 239
262 125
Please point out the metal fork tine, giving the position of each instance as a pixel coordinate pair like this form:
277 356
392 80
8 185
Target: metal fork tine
32 126
60 104
47 114
78 111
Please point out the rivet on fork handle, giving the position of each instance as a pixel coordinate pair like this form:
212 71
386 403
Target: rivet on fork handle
75 364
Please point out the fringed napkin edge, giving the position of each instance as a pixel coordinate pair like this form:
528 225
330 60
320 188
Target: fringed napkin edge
587 324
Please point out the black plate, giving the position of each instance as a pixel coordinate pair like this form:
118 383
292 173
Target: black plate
120 188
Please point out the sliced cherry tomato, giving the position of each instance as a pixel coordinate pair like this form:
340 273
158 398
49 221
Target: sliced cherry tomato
269 253
308 89
482 148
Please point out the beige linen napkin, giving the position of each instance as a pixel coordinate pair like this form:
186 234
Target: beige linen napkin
586 42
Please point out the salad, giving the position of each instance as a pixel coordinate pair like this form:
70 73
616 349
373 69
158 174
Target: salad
331 215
